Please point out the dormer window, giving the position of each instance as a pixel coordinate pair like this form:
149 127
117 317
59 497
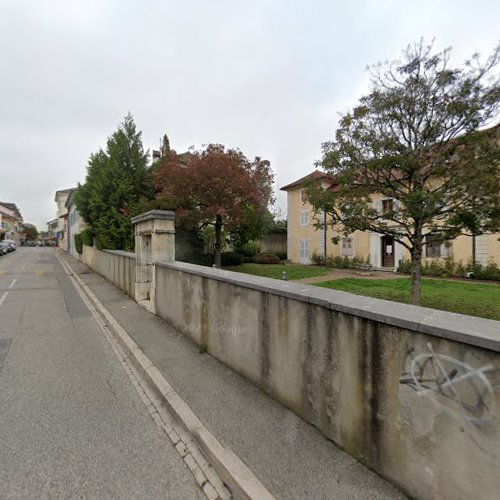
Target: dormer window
387 206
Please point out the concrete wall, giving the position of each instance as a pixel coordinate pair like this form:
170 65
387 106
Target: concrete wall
409 391
116 266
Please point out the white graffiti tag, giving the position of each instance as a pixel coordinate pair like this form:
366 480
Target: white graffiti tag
431 373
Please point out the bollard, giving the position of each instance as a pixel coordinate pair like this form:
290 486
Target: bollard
283 276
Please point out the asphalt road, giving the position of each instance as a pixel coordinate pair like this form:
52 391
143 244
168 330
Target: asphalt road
71 423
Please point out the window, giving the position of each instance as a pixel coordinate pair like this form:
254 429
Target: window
303 196
346 247
438 248
387 206
433 248
304 218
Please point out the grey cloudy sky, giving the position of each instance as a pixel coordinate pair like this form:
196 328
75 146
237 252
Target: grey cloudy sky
267 76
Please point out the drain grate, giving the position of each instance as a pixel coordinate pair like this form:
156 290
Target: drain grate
4 349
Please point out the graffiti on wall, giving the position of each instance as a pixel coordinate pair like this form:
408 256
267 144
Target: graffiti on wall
431 373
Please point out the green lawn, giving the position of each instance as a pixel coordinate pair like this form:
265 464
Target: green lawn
293 271
475 299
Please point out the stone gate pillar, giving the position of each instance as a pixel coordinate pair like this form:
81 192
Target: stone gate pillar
154 242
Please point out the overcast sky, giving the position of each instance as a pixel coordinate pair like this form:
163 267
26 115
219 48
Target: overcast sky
269 77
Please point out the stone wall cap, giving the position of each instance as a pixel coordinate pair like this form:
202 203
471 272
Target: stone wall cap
154 214
123 253
471 330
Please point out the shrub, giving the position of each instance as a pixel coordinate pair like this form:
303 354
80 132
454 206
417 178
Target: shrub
404 266
267 258
250 249
317 259
87 236
282 255
231 259
460 269
339 261
489 272
449 268
78 243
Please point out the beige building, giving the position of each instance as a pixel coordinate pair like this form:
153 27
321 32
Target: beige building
382 252
11 222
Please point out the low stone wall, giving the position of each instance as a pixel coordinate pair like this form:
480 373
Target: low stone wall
408 391
116 266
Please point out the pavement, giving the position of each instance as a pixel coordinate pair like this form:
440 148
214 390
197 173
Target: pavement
338 274
72 425
290 457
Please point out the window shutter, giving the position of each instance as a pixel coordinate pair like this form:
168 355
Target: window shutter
446 250
396 205
378 207
304 217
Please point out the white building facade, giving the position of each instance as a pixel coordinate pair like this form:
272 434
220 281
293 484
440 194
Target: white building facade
75 223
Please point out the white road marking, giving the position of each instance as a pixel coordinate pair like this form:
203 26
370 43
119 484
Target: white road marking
4 296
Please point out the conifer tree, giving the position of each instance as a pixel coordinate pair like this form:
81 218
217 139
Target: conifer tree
117 181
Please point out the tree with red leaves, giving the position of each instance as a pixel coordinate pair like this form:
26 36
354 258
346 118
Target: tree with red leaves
215 187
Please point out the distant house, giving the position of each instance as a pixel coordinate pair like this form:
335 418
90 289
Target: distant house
75 223
62 215
10 222
381 251
52 228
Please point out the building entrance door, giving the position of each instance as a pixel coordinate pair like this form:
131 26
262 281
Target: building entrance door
387 251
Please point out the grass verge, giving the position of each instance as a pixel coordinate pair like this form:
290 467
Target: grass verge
293 271
474 299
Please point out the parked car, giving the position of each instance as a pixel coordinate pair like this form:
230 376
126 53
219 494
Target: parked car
4 248
12 244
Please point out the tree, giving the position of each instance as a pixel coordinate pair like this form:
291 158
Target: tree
418 139
30 231
165 146
255 222
117 181
215 187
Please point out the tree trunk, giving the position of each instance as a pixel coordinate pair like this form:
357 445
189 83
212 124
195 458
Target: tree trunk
218 240
324 235
416 276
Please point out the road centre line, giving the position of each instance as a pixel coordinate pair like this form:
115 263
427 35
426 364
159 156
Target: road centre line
4 296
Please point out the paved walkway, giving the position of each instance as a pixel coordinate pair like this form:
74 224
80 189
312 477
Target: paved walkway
290 457
337 274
